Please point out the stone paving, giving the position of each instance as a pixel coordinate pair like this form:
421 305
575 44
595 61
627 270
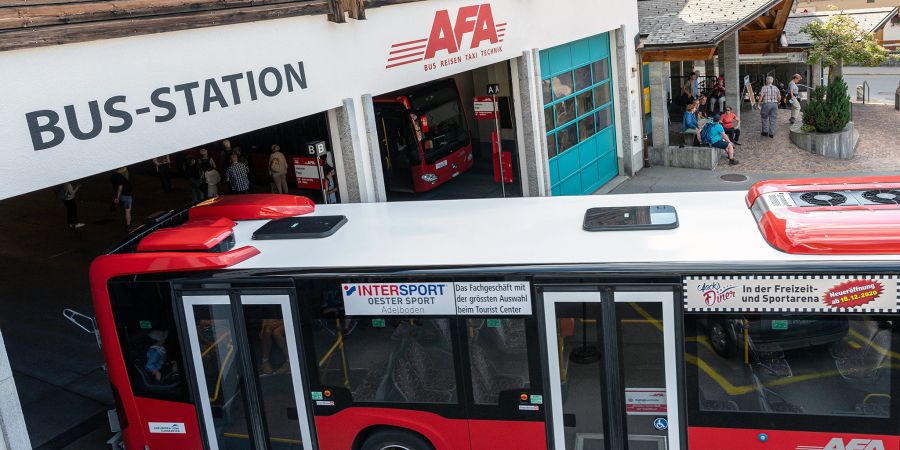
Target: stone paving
879 149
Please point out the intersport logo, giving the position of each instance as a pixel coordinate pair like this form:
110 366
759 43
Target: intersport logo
852 444
470 34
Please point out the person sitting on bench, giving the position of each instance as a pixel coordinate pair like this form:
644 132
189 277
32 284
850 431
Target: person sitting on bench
689 125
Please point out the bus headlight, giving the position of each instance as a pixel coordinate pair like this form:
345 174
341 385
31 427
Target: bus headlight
429 178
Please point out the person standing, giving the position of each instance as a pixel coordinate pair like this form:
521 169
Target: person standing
768 97
794 97
212 178
225 157
238 175
123 192
278 169
330 186
690 90
163 169
732 125
194 174
66 193
205 161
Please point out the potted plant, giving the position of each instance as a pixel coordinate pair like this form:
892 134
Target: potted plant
826 128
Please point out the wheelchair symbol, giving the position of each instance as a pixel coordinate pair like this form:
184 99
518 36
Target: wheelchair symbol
660 423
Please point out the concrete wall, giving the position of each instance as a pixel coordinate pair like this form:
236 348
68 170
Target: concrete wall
13 434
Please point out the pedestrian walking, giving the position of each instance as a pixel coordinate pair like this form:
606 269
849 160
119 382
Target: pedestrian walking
194 174
66 194
238 175
278 169
794 97
768 97
163 170
123 192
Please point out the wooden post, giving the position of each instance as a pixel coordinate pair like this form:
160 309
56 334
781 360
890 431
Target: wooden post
336 11
357 9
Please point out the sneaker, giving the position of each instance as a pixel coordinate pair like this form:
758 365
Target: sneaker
772 136
792 120
733 162
284 369
763 134
265 368
735 142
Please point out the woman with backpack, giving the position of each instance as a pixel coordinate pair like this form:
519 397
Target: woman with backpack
278 170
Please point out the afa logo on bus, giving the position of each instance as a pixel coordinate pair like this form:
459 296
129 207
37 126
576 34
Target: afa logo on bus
470 34
852 444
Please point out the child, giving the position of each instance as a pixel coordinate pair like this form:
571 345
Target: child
156 354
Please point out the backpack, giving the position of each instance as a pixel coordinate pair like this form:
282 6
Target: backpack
706 133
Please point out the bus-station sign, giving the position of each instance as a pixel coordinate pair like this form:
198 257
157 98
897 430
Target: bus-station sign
466 298
800 293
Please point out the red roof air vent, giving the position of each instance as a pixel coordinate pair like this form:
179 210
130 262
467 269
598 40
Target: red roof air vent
858 215
253 206
193 235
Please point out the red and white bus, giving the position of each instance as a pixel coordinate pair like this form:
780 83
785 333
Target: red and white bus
702 321
424 136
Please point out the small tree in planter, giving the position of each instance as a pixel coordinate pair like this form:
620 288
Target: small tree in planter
841 40
828 110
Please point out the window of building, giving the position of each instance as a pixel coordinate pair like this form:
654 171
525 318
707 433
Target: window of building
573 102
499 358
781 364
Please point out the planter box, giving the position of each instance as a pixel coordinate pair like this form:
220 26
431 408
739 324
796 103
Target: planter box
688 157
840 145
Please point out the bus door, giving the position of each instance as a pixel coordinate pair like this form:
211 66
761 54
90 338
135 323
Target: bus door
612 369
247 369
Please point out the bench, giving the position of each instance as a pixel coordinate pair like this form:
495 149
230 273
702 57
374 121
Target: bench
689 157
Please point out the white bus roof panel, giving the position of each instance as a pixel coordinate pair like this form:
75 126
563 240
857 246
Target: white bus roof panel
715 227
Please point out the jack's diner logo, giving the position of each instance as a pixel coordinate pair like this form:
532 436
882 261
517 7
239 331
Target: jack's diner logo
468 33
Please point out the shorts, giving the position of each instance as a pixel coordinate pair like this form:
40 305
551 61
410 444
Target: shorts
125 201
720 144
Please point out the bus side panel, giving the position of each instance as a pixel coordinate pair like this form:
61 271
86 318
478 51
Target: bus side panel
497 434
338 431
700 438
166 416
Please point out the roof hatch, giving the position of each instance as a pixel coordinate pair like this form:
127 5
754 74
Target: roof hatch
858 215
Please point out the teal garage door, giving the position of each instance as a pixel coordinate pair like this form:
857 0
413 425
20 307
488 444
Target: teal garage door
579 115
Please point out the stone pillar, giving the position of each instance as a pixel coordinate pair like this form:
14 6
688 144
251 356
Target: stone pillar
374 148
659 110
710 67
732 72
815 75
631 148
356 179
13 434
530 130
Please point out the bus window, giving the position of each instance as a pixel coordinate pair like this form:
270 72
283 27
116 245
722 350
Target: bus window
146 328
781 364
386 360
446 126
499 357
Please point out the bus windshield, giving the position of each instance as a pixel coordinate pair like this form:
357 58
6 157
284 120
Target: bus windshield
447 130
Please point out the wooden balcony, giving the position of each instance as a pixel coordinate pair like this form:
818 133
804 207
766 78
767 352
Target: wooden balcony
36 23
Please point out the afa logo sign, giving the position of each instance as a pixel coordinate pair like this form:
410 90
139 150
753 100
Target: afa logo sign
469 33
349 289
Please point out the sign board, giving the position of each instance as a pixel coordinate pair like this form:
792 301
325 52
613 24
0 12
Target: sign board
493 89
800 293
167 427
307 172
645 401
315 148
496 298
485 108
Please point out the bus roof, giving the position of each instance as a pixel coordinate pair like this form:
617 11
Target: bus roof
716 228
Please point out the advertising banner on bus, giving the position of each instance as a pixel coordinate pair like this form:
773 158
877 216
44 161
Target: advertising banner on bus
468 298
800 293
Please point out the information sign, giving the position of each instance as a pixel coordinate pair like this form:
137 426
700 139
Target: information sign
495 298
645 401
786 293
485 108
